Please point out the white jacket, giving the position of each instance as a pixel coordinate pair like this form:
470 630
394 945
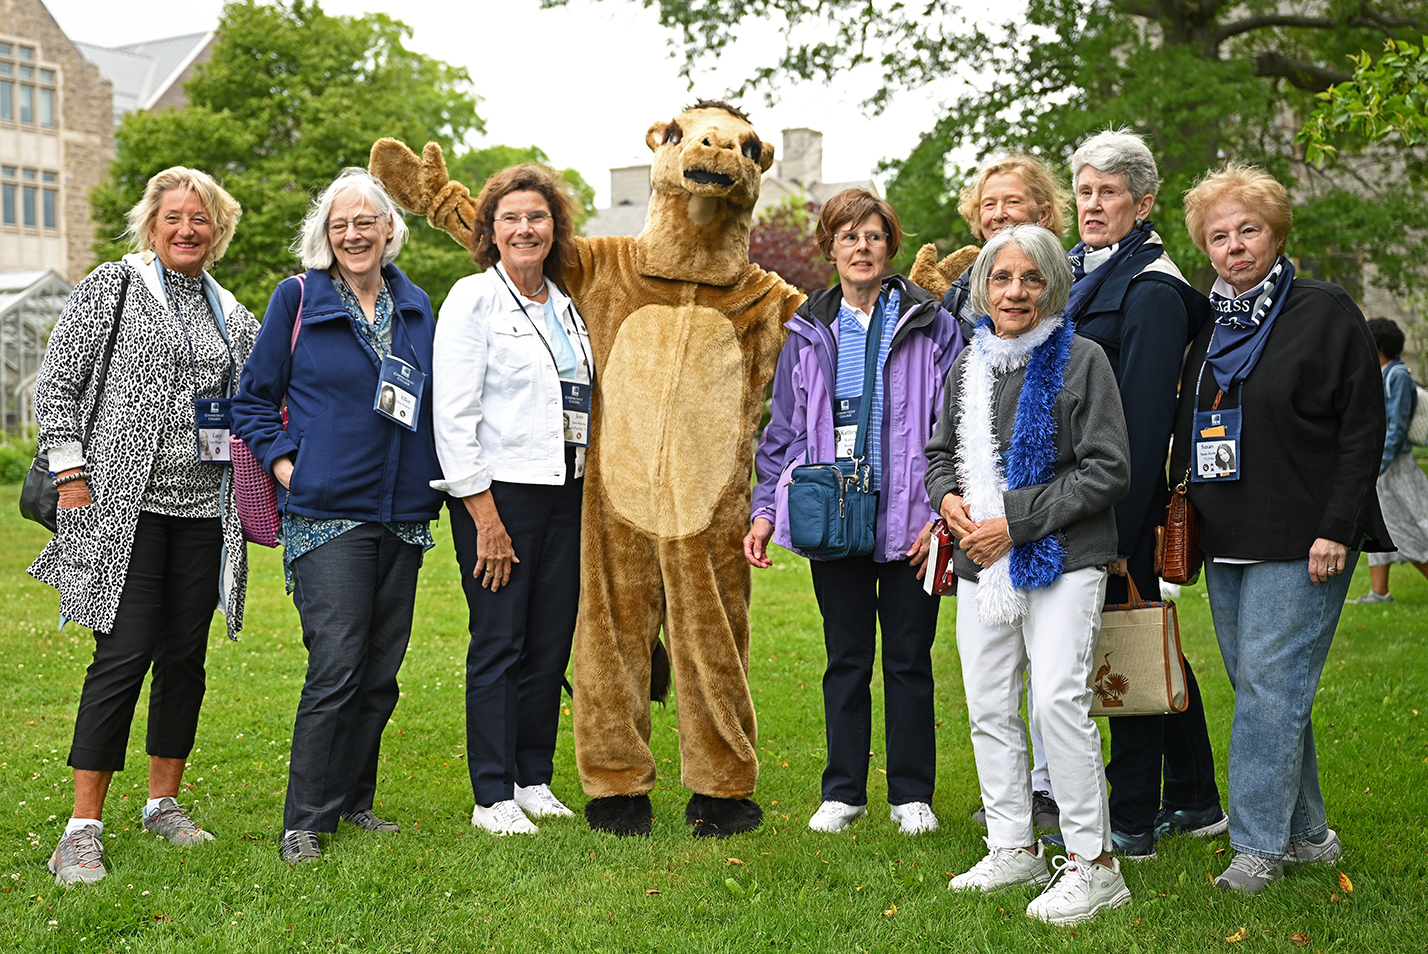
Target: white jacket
495 392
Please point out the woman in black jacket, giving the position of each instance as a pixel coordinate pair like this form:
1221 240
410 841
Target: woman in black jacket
1288 373
1129 298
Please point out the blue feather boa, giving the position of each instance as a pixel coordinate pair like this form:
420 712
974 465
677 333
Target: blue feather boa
1031 457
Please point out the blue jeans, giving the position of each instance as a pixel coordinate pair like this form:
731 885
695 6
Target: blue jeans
1274 627
355 595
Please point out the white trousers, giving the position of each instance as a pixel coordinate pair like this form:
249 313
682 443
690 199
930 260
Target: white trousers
1057 636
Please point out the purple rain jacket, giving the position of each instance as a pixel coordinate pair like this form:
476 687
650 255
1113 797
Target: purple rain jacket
800 429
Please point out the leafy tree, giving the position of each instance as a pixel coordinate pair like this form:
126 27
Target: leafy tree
782 240
290 97
1204 80
1385 98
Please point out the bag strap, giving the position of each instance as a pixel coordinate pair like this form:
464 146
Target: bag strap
1132 593
870 361
104 362
297 322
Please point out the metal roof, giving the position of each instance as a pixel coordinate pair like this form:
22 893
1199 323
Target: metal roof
142 72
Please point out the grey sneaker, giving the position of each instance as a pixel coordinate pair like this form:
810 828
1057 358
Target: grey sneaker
1306 852
1248 874
79 857
1045 813
170 821
298 846
367 820
1371 597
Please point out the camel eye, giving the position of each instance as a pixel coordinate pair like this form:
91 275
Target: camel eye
672 133
753 148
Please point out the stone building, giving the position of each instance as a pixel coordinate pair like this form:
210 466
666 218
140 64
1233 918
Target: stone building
56 142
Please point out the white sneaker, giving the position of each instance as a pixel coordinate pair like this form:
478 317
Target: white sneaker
1002 868
1079 891
835 816
914 817
503 818
539 802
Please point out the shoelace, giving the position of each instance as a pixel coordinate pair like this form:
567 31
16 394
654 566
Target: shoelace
88 850
992 861
177 817
300 841
1061 865
509 814
1254 865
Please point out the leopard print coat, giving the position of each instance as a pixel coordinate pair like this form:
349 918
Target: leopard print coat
88 558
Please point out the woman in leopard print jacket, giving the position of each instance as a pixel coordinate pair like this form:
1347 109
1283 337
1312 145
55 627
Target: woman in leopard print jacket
148 540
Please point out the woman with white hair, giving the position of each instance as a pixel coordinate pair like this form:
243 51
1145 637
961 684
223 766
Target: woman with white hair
1130 299
1027 461
148 528
357 472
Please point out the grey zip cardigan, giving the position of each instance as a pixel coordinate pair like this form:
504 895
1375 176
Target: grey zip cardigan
1092 459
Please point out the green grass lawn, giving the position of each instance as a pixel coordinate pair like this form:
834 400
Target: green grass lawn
441 886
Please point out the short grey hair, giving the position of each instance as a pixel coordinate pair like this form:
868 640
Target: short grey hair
312 245
1045 251
1118 152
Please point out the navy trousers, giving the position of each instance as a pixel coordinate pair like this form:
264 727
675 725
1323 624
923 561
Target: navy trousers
355 595
856 594
520 635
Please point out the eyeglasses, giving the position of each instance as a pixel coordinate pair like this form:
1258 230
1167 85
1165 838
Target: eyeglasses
536 219
1030 281
849 239
362 223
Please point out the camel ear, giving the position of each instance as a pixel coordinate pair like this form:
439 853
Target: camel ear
766 155
655 134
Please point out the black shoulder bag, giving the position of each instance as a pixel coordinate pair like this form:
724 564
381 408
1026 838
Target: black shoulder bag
39 497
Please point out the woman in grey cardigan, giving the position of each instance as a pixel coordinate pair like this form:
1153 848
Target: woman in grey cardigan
148 540
1028 459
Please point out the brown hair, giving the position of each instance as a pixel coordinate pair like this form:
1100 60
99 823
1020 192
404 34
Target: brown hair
850 207
527 177
1046 189
1256 188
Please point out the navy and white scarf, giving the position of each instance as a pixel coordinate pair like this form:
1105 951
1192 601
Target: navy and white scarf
1030 458
1243 322
1087 283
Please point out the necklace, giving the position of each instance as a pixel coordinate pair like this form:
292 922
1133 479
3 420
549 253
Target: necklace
539 288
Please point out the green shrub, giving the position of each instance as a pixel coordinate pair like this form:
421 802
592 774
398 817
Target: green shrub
15 457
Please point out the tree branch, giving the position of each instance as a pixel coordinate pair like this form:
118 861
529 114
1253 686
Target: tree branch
1307 76
1368 19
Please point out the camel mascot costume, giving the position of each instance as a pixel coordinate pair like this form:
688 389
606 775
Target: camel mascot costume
686 334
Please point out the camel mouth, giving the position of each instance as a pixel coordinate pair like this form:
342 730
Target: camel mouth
708 177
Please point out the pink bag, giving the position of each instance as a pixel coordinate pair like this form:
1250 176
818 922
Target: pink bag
254 489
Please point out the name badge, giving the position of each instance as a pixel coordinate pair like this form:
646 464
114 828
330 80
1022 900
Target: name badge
213 422
575 412
399 388
1217 446
845 426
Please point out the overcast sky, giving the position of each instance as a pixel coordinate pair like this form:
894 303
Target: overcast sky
582 82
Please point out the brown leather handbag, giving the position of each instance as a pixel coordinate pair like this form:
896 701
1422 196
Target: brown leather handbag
1177 543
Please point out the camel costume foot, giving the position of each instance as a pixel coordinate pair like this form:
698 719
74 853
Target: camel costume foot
620 815
721 817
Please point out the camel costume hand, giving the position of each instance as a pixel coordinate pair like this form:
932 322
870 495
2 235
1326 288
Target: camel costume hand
423 187
936 277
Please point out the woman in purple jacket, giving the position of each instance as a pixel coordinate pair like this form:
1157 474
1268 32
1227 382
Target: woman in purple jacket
822 364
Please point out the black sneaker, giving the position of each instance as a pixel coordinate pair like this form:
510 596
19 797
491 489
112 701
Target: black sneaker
1045 812
299 846
1129 847
1200 824
367 820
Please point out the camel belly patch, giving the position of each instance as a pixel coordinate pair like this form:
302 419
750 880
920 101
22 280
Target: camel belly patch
672 413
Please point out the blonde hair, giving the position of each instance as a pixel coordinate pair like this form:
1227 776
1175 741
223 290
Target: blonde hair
221 207
1046 188
1254 187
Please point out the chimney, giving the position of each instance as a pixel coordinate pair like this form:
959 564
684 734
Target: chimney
630 185
802 160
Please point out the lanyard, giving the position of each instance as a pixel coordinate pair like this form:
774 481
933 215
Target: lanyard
1201 377
589 365
188 337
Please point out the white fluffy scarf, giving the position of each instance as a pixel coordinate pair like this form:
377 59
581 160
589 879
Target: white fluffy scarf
979 462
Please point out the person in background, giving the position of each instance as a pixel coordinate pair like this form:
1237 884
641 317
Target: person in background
358 498
1402 486
512 394
148 530
1129 298
1287 371
823 361
1028 460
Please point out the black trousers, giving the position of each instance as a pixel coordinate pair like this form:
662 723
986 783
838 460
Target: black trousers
1149 750
167 604
355 595
855 595
520 635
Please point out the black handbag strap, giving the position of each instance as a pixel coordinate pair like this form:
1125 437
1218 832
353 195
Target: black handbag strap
870 362
104 362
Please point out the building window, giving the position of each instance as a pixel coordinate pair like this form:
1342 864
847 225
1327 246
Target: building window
7 100
27 103
51 199
33 100
47 107
7 203
27 206
27 52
